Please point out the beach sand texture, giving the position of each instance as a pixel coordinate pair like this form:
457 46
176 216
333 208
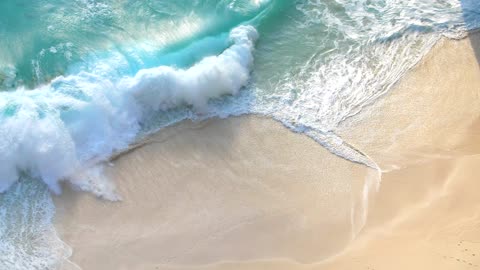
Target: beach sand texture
247 193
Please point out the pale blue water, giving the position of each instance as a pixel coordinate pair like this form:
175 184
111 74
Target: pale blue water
80 79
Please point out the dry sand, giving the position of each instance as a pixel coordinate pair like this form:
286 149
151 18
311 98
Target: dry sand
246 193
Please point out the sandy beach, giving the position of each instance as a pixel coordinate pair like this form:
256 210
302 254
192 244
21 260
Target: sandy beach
248 193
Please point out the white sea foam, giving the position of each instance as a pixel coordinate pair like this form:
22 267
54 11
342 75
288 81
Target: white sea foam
375 44
164 87
55 131
28 239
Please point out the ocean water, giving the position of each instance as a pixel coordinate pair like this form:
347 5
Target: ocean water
82 79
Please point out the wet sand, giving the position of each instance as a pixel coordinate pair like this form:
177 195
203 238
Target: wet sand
247 193
239 189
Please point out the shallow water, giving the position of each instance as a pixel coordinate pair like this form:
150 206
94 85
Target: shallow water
82 79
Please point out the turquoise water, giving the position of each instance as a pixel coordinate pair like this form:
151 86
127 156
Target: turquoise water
81 79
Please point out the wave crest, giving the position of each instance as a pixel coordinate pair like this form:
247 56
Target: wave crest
57 130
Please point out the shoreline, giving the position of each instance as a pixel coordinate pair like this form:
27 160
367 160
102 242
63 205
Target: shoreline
209 194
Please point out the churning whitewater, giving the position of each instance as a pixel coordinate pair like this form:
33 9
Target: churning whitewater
53 131
83 79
